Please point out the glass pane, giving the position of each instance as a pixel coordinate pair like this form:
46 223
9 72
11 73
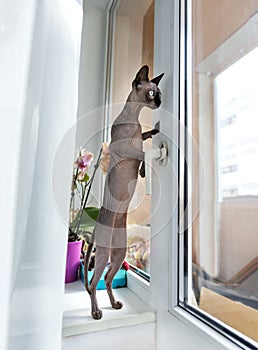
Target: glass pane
133 48
222 244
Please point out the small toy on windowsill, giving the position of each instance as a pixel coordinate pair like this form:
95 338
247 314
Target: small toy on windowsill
125 266
138 253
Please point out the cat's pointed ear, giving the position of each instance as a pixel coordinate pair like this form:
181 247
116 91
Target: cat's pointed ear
157 79
142 75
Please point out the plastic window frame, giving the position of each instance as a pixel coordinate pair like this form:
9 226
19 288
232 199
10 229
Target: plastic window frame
202 322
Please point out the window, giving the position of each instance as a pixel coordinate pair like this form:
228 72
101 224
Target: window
133 47
218 251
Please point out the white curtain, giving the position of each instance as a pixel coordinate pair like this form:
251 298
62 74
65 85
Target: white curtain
39 65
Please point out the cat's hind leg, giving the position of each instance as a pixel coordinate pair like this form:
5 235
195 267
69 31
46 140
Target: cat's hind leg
103 235
101 260
117 256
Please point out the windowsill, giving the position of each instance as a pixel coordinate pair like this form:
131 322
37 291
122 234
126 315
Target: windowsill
76 313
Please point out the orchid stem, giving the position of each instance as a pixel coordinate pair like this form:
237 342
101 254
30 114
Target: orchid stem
88 192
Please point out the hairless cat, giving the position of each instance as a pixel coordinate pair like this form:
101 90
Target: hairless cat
126 155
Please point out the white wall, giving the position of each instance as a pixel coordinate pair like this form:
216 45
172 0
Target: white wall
238 236
139 337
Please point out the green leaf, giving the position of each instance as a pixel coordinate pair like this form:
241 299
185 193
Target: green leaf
92 212
88 220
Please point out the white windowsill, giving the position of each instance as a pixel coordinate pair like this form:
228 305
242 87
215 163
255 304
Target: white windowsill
76 312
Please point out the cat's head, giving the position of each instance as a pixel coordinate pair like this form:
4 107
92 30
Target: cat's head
146 91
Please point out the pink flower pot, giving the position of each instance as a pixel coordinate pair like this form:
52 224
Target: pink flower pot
73 261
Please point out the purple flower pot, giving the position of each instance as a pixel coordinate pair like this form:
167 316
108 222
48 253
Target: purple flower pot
73 261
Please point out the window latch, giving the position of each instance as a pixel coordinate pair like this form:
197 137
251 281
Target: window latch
160 154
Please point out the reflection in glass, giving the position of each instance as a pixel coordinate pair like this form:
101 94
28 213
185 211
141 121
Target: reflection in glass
222 269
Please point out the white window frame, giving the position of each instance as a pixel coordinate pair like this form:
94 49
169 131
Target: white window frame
205 324
171 59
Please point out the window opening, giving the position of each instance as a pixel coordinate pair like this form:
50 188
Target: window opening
133 47
219 249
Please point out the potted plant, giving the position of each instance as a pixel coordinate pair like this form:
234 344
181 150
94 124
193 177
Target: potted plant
82 218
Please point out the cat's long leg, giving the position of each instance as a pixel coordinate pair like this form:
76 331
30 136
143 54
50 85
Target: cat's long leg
103 234
118 253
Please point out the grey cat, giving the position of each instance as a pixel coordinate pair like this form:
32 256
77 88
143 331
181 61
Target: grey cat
126 155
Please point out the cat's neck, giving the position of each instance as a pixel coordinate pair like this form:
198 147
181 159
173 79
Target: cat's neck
132 108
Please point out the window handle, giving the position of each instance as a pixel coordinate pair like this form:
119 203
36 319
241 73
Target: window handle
160 154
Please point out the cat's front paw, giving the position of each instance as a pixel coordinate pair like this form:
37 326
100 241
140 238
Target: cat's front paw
142 170
117 305
97 315
154 131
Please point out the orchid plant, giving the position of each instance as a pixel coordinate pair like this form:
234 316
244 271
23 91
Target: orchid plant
83 218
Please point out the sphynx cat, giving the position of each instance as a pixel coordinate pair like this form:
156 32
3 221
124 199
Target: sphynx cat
126 155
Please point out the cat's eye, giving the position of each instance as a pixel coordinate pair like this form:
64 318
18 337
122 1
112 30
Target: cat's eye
151 93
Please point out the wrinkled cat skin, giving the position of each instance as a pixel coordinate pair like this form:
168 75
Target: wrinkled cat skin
126 156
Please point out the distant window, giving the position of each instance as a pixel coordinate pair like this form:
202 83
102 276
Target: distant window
237 120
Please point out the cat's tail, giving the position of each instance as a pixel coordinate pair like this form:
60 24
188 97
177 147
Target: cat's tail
86 262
